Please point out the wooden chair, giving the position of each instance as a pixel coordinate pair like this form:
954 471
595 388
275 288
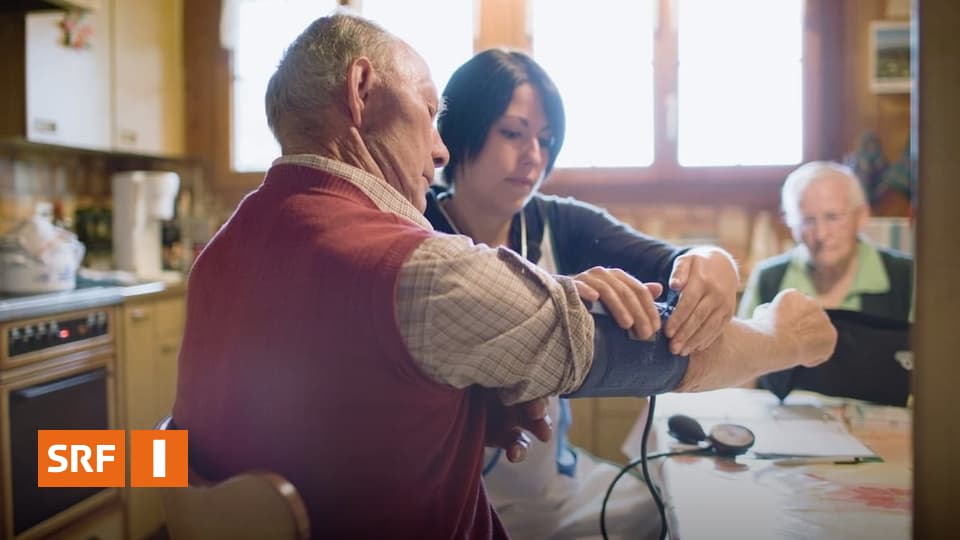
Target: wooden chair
251 505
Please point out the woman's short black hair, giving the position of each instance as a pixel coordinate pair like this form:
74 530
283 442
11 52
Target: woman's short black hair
478 94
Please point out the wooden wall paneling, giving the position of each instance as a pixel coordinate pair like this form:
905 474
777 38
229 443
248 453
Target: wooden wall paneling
888 115
936 341
208 102
201 49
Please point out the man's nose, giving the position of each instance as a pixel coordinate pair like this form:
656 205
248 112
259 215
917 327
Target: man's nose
440 153
820 229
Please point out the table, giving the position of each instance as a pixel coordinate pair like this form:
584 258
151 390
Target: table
748 498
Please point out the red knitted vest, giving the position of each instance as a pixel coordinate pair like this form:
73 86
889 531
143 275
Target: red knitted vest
292 362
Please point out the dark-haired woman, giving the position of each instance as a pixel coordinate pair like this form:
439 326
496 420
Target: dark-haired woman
504 126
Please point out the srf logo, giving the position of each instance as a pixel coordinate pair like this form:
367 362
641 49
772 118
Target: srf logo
80 458
97 458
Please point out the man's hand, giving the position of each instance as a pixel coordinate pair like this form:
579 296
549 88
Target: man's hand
629 301
800 326
506 425
707 280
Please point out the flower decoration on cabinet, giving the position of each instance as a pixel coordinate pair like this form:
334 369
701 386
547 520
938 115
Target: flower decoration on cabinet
76 33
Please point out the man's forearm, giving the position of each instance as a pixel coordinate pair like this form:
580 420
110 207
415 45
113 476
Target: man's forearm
744 351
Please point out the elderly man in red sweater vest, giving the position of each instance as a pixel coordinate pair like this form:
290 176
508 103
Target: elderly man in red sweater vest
334 338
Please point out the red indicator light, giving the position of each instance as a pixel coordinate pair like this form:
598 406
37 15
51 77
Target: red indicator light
64 333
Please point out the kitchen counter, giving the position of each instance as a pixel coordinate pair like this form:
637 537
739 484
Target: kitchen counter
41 305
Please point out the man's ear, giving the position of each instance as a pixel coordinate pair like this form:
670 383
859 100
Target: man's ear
360 80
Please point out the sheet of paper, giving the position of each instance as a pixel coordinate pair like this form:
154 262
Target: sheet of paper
805 437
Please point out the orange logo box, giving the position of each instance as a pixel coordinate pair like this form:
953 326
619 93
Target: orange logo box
97 458
80 458
158 458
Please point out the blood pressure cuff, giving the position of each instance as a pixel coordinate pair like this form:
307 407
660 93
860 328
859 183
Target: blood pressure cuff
865 365
627 367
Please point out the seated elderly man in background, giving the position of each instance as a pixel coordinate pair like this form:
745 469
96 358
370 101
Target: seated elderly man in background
867 289
334 338
825 208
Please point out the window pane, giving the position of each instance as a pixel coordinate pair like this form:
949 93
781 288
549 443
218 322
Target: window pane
740 82
264 29
440 30
600 55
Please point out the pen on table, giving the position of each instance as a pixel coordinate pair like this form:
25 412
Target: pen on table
826 460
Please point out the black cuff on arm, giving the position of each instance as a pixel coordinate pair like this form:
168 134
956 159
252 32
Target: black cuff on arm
624 367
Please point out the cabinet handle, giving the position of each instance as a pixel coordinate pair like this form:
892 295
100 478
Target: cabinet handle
138 314
128 136
44 126
167 349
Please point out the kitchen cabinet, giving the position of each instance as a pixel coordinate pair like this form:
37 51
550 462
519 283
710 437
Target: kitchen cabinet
600 425
38 5
148 81
123 92
68 88
151 335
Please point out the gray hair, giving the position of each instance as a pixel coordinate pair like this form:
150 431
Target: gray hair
313 71
800 179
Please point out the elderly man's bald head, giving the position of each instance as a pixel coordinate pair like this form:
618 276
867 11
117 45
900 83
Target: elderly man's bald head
803 176
312 74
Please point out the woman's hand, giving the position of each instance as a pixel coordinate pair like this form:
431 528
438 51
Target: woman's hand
629 301
707 280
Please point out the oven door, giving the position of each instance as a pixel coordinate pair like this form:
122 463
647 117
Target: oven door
78 396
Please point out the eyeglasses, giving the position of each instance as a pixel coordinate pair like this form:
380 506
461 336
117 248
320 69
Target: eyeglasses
830 220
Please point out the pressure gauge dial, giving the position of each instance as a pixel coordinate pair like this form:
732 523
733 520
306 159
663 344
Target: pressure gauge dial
731 439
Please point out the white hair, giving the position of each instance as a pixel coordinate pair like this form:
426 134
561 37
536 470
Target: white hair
800 179
313 71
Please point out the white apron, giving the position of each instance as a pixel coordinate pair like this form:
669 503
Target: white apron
536 501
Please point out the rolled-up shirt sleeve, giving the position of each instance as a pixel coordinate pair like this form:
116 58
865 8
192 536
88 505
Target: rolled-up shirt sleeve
470 314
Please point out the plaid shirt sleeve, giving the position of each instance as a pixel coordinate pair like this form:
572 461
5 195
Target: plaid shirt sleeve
475 315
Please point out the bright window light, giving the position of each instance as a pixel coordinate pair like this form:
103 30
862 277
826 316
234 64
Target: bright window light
263 30
600 55
740 85
441 31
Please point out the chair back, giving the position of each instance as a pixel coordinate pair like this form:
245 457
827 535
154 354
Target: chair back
251 505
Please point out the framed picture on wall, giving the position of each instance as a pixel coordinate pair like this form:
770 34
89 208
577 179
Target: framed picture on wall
890 57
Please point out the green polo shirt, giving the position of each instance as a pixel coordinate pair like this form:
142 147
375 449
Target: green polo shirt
870 278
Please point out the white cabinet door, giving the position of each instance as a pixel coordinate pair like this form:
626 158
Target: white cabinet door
68 90
148 77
